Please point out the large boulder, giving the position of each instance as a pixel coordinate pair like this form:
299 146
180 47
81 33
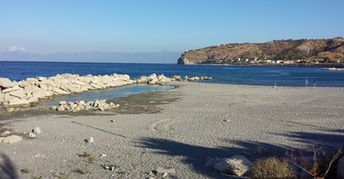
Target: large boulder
6 83
163 79
18 93
13 88
236 165
152 76
153 81
36 92
177 77
17 102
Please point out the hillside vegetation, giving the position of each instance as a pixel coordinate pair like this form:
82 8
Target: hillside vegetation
303 51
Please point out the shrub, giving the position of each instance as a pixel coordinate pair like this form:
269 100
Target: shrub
270 168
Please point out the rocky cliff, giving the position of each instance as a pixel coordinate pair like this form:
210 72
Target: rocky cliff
315 51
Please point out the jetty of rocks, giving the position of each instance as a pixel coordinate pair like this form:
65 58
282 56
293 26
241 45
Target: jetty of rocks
29 91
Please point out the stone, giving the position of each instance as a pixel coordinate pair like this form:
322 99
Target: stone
153 81
10 109
90 140
32 99
59 91
236 165
41 78
62 103
18 93
60 108
37 130
152 76
177 77
10 89
7 83
11 139
31 135
4 133
17 102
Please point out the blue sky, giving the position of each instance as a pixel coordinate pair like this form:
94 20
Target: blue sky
44 26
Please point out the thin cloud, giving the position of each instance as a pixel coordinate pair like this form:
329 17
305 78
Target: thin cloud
15 49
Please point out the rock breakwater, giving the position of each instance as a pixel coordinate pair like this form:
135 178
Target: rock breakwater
29 91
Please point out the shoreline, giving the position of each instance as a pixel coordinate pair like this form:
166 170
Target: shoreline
341 65
196 121
39 110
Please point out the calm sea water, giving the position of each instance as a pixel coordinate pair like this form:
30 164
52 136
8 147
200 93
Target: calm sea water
251 75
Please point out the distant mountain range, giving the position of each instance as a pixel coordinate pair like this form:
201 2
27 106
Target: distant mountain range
303 51
95 56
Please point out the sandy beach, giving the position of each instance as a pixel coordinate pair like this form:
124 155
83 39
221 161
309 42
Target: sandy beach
180 129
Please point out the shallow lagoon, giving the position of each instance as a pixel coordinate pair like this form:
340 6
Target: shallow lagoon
106 94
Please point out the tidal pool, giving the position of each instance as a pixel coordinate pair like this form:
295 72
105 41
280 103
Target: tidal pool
105 94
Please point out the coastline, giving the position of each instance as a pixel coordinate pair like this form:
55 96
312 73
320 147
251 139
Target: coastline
193 119
328 65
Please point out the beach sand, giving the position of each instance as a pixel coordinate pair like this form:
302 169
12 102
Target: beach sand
180 129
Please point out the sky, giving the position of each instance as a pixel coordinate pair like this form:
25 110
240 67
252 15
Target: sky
46 26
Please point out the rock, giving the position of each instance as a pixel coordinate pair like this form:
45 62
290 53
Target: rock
152 76
177 77
31 135
90 140
162 172
41 78
81 102
6 83
11 139
17 102
340 168
62 103
10 89
112 121
98 105
163 79
236 165
10 109
153 81
59 91
37 130
60 108
18 93
4 133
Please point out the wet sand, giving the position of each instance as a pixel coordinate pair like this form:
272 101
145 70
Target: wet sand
180 128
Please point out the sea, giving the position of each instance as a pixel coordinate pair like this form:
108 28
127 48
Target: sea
224 74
